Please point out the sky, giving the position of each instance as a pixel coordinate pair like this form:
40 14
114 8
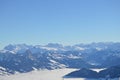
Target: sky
59 21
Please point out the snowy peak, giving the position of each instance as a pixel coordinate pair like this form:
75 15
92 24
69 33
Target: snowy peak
21 48
16 48
54 46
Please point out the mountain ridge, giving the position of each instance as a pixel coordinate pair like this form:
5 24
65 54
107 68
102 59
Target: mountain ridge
25 58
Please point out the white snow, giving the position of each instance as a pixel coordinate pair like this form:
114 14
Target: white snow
49 48
39 75
73 57
98 70
2 71
55 64
80 48
99 49
53 61
2 68
44 75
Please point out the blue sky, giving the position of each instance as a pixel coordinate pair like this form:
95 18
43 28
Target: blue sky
59 21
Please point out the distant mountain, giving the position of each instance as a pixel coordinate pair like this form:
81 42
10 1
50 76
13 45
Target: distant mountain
109 73
24 58
82 73
112 72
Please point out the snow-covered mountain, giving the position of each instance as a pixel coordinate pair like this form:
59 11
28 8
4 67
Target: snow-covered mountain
25 58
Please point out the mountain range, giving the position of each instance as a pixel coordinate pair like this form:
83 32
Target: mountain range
25 58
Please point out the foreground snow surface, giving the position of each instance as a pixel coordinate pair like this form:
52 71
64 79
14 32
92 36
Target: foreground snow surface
43 75
39 75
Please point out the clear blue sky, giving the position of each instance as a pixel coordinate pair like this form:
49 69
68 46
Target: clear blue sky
59 21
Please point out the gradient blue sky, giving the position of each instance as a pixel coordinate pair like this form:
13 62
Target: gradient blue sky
59 21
